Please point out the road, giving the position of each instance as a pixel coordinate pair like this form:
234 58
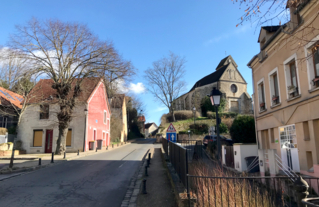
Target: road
95 180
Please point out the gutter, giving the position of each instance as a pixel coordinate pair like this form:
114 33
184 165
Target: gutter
85 127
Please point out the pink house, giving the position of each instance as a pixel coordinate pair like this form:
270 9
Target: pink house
88 130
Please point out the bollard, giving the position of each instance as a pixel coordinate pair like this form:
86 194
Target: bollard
107 147
78 152
144 186
64 155
39 161
52 158
112 145
148 163
117 144
96 150
149 156
146 174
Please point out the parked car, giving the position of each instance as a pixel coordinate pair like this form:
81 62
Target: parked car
213 138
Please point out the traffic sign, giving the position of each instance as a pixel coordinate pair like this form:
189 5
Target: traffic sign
171 128
171 136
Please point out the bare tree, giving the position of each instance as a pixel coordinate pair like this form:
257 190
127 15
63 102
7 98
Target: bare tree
67 53
165 79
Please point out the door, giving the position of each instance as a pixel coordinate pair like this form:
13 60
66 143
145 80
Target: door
48 141
289 147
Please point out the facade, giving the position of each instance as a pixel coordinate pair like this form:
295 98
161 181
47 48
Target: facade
90 124
286 89
10 103
228 80
141 123
150 128
119 114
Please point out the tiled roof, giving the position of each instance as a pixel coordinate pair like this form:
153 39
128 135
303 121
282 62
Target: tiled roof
43 91
211 78
11 97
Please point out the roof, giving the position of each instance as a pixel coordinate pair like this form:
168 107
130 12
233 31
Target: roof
43 91
141 118
273 28
155 132
11 97
148 125
211 78
225 61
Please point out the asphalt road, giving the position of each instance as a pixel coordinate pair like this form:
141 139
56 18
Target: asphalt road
96 180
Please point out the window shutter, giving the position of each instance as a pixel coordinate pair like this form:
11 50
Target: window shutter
37 138
69 138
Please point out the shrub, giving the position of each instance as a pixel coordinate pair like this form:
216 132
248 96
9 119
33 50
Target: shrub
199 128
223 128
179 115
212 115
228 122
243 129
207 106
183 132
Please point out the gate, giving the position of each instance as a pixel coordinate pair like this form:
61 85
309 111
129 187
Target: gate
229 158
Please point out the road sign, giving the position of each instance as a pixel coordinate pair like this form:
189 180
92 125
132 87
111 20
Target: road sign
171 128
171 133
171 136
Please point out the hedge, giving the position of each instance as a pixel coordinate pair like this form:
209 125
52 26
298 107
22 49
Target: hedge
243 129
179 115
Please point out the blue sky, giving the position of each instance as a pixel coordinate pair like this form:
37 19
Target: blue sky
144 31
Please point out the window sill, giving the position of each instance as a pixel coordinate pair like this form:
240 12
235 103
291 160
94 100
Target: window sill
274 106
291 99
262 111
314 89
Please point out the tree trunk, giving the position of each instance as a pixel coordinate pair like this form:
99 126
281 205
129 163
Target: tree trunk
172 113
61 142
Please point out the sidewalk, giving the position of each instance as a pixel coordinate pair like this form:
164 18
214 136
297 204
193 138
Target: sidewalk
158 187
28 162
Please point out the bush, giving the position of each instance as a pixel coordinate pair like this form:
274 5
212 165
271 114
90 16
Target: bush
223 128
179 115
243 129
199 128
183 132
207 106
212 115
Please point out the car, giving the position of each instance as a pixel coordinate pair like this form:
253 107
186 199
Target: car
213 138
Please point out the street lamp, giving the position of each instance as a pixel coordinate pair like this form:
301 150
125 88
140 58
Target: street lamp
194 110
215 97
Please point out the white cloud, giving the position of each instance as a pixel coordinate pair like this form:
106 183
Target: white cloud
137 88
160 109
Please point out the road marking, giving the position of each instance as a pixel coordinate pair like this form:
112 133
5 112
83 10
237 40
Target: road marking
122 164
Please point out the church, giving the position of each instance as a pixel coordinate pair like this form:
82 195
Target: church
228 80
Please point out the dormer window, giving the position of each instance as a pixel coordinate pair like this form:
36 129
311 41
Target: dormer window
44 111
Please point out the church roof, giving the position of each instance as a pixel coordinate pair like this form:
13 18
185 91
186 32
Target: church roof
211 78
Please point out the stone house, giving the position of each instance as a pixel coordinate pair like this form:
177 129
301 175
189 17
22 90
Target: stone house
150 128
228 80
286 90
141 124
119 114
88 130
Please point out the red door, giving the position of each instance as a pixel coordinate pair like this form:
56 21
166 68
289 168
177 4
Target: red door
48 141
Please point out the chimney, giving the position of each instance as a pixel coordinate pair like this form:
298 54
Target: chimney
294 15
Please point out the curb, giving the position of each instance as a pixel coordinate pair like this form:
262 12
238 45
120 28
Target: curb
133 190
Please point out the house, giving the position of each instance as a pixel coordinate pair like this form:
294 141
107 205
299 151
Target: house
150 128
141 124
228 80
286 90
10 104
90 125
119 117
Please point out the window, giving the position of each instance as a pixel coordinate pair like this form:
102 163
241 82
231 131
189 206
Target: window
37 138
291 74
44 111
274 87
261 96
315 58
104 119
233 88
69 138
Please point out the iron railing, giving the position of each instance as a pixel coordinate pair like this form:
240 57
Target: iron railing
178 158
165 146
246 191
194 148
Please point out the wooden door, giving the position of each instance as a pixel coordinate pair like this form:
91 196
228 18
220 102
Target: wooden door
48 141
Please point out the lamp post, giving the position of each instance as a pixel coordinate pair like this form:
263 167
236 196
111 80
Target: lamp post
194 111
215 97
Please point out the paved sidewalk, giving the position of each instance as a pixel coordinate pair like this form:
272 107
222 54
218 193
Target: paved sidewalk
27 162
158 187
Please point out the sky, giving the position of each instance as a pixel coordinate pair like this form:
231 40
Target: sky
144 31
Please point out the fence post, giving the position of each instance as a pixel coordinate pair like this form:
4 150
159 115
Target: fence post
187 180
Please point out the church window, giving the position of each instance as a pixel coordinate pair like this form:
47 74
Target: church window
233 88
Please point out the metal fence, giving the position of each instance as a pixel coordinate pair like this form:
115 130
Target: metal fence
178 158
165 146
246 191
194 148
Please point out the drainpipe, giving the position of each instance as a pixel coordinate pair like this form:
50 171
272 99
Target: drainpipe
85 128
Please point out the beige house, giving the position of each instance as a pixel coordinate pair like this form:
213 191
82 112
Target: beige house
119 117
286 89
228 80
150 128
